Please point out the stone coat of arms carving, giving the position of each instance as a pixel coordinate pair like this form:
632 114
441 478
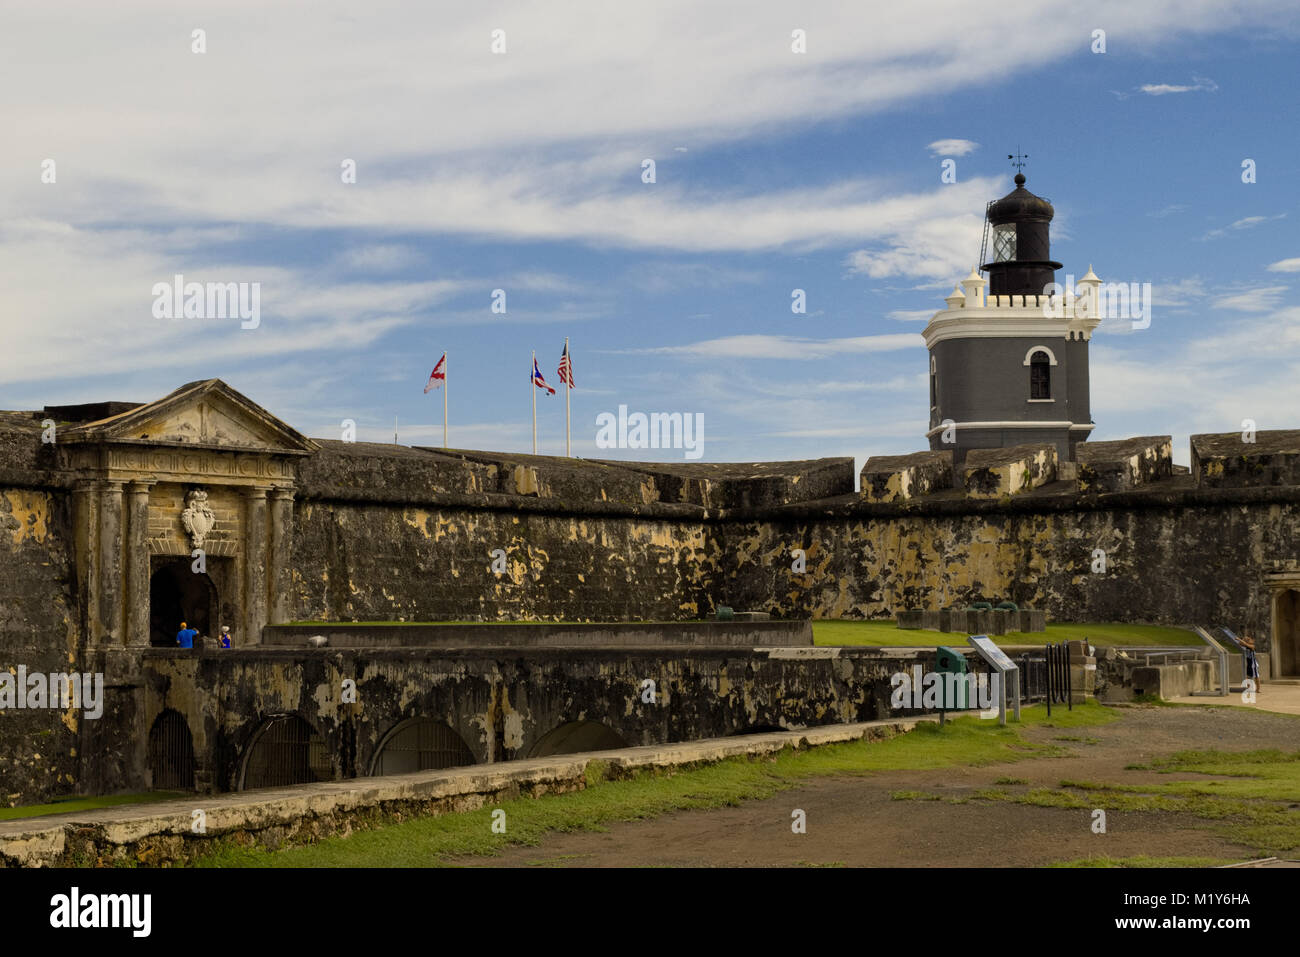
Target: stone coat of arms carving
198 518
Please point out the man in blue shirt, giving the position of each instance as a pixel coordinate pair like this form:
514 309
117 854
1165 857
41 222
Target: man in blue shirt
185 637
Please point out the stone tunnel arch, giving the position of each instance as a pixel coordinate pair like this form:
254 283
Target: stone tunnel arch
285 750
575 736
179 594
420 744
171 753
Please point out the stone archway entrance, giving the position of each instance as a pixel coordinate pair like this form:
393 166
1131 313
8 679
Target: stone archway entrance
177 594
1284 587
1286 632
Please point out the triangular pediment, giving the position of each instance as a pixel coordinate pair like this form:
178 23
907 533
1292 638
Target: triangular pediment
207 414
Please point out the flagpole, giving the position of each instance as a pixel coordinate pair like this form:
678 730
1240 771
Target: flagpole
394 430
568 387
532 387
445 383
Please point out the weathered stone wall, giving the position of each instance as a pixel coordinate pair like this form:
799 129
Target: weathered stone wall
377 562
39 748
1171 557
503 702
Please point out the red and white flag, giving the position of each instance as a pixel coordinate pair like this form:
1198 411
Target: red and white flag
566 366
538 380
438 376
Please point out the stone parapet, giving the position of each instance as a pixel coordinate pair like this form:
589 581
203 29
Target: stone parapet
1247 459
899 478
1124 465
993 473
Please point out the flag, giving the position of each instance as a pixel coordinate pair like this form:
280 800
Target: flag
438 376
566 366
538 380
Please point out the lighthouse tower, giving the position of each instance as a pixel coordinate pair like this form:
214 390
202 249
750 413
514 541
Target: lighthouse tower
1011 367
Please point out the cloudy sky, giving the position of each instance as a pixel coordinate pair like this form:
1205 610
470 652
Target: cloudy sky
523 171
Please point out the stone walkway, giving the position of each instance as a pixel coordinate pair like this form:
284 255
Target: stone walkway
1271 696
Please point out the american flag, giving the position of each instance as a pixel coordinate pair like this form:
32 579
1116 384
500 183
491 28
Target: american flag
438 376
566 367
538 380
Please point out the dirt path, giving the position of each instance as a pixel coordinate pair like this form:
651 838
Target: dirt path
853 820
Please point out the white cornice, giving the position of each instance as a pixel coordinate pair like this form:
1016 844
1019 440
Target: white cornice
1008 425
1003 322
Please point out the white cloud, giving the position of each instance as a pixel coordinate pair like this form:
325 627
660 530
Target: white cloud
938 247
1259 299
952 147
1198 84
1285 265
1179 293
1246 222
911 315
790 347
379 258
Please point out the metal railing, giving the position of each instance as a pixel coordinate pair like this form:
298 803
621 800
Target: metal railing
1059 687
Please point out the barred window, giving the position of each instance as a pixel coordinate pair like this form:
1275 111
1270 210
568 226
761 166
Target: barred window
1040 376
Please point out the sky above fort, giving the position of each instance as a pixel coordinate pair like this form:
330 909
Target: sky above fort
523 171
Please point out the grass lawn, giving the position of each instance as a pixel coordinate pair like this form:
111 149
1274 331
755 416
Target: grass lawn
887 632
1250 793
68 805
430 841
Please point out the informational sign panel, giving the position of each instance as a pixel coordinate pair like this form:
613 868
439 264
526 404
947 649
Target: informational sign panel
1008 673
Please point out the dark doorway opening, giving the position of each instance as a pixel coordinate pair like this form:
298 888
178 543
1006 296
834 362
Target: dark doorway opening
171 753
576 737
1288 632
178 594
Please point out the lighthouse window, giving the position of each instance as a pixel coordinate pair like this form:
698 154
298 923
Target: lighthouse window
1040 376
1004 243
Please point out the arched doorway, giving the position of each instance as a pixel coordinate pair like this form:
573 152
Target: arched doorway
178 594
286 750
171 753
576 736
420 744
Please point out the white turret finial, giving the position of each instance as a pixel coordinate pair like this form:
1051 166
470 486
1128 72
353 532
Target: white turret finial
956 299
1087 294
974 285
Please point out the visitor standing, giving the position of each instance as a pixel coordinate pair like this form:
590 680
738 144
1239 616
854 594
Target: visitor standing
185 637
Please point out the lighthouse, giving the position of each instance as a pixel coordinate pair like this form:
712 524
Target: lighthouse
1009 354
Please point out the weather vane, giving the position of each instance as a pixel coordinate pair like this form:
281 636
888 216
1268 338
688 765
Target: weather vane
1019 158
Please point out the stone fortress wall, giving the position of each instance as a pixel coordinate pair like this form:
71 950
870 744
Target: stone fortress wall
382 532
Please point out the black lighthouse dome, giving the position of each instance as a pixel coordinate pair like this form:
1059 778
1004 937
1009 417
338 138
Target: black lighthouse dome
1020 205
1021 263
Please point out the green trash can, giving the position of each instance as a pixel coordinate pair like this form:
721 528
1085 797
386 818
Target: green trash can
953 695
724 613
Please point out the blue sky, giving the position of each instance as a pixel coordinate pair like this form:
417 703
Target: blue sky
522 171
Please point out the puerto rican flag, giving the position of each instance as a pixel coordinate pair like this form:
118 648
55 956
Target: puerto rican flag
438 376
566 367
538 380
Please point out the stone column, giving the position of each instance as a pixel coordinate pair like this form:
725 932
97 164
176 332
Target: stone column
255 565
280 555
86 499
137 563
112 627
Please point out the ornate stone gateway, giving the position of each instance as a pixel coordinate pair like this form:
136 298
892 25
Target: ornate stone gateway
199 483
1284 599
